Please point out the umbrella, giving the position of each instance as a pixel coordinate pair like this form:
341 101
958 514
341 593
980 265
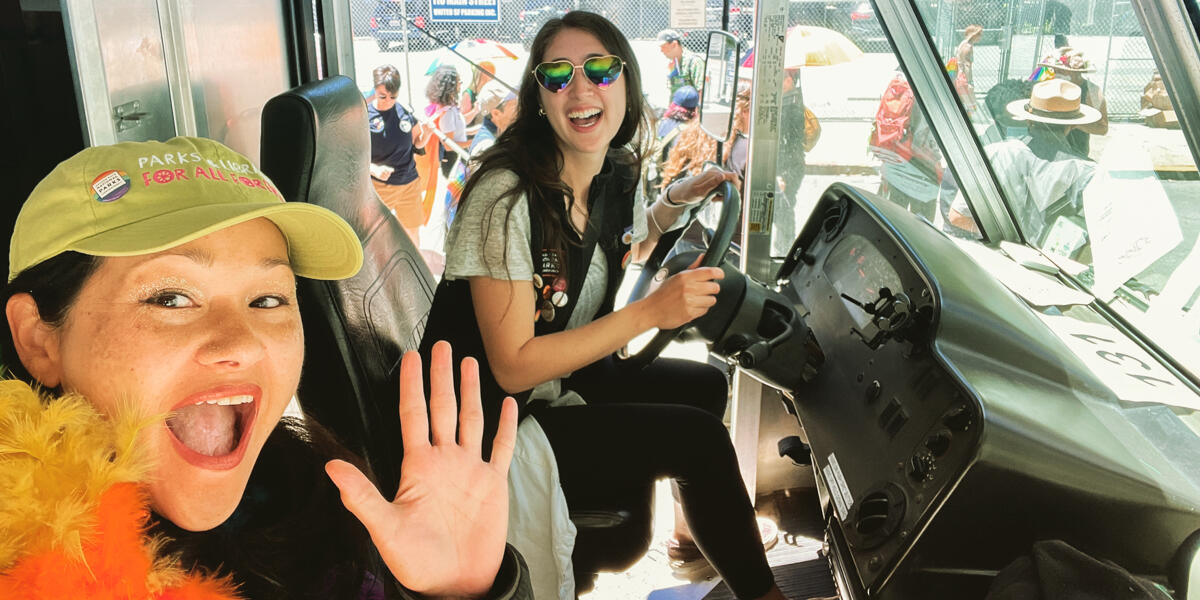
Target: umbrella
477 50
817 47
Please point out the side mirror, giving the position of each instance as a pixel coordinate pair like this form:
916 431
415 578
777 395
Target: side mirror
720 85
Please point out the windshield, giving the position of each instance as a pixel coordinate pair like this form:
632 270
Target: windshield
849 115
1082 137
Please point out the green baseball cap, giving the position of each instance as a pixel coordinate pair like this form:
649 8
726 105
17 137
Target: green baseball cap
141 197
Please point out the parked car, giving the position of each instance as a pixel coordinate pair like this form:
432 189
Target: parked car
388 24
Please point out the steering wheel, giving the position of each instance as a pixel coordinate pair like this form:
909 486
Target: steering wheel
714 256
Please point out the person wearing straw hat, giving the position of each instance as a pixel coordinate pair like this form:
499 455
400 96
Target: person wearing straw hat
154 338
1071 64
1054 110
964 56
1042 174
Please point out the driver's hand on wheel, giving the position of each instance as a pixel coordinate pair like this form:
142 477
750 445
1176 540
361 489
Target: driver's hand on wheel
684 296
691 190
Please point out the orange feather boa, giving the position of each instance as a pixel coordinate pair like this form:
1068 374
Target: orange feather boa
73 518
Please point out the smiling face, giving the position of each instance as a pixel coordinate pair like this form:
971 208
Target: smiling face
584 117
208 331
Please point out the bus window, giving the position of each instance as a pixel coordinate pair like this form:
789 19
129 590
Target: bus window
1081 135
849 114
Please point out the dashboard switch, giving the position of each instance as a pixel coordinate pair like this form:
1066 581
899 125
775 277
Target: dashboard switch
794 448
873 391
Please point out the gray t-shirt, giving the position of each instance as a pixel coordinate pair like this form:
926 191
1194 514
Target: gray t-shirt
485 241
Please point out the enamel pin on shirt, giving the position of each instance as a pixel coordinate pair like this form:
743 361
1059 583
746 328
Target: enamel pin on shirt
550 284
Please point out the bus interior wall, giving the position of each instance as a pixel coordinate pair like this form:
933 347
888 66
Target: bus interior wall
39 114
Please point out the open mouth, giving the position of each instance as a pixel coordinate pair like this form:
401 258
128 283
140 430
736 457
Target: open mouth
211 432
585 118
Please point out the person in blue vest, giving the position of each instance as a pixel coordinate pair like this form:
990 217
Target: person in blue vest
395 135
549 221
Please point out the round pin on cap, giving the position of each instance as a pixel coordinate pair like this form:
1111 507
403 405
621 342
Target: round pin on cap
559 299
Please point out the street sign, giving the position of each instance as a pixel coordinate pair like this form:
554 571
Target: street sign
472 11
687 14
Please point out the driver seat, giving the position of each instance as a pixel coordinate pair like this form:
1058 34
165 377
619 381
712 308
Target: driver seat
316 148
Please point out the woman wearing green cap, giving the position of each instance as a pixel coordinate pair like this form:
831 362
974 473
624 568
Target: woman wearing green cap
152 298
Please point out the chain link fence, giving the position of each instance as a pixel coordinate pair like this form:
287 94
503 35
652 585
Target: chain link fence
520 20
1018 34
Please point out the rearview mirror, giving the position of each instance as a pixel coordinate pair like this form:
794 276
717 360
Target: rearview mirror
720 85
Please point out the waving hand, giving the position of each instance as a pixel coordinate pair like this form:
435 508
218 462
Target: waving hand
444 533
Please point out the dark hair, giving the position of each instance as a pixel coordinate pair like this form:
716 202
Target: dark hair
54 285
289 502
290 536
524 147
443 86
388 77
1001 94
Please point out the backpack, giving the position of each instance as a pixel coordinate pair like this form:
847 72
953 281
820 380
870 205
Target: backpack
890 134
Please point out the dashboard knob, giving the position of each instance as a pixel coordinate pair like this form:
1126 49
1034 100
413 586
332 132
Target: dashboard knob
921 467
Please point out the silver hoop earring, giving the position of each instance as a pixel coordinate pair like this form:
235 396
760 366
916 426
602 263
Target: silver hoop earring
541 111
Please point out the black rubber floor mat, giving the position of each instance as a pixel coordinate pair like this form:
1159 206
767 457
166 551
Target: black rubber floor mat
808 579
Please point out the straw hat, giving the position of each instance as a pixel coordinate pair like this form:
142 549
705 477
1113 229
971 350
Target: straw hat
1054 101
1069 60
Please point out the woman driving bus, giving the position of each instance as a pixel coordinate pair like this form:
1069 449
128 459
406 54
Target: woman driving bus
152 291
548 222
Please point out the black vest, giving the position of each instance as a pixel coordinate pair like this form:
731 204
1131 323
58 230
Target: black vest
610 226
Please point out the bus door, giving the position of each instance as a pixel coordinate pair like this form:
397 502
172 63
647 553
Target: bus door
153 69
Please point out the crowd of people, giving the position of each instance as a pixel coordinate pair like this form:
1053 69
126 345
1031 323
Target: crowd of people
127 302
154 340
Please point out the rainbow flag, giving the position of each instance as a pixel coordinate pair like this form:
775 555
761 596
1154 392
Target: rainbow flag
952 67
1042 73
454 190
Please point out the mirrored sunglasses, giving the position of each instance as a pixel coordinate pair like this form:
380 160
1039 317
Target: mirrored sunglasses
601 70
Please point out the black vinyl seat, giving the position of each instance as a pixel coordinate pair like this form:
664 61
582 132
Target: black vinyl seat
316 148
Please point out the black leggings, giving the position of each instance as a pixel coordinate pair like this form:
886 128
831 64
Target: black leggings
639 427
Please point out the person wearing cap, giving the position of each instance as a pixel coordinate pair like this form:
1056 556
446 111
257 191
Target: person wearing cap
1042 173
683 67
680 113
497 103
498 106
1071 64
395 138
151 303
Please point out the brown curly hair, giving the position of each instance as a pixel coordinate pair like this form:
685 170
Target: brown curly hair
693 146
443 86
687 156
